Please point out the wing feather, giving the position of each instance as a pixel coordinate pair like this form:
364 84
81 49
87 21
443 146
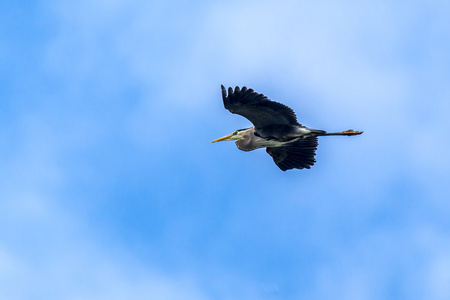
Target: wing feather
298 155
258 109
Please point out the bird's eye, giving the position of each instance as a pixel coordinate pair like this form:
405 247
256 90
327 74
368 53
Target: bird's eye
234 133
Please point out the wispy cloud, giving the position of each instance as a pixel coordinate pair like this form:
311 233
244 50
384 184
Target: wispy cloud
110 188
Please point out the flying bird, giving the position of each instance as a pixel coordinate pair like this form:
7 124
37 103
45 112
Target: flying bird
275 127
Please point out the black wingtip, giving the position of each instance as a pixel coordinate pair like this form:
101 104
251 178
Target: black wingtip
236 90
224 92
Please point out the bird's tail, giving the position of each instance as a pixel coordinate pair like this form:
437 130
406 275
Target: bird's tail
345 132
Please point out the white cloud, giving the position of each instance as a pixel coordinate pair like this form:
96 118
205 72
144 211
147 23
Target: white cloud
79 269
46 251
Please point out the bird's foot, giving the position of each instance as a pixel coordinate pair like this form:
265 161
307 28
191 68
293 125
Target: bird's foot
351 132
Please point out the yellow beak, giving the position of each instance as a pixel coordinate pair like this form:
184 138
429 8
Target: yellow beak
225 138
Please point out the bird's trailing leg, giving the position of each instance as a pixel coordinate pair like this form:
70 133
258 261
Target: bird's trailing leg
345 132
351 132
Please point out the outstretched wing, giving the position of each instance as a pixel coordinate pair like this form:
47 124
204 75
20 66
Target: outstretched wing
258 109
299 154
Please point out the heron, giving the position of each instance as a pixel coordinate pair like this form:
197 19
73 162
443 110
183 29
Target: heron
275 127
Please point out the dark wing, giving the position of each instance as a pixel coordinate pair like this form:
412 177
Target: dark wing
258 109
299 154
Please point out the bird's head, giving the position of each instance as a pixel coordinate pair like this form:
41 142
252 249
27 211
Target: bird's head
238 134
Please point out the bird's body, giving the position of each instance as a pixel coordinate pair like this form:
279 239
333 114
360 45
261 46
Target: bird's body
290 144
251 140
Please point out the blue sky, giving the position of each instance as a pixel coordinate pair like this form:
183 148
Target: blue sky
110 188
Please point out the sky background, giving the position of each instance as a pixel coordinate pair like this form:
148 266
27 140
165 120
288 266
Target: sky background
110 188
